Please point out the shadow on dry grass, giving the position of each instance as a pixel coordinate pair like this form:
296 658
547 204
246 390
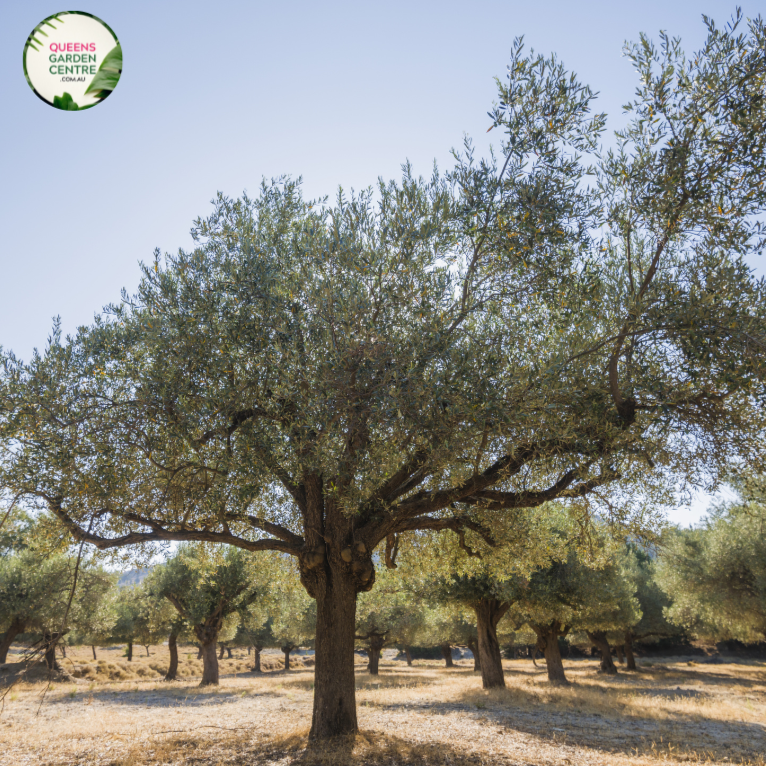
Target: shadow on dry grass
295 749
635 712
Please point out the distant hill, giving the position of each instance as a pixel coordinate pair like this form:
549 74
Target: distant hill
133 577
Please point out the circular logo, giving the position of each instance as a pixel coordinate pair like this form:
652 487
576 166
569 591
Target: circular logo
72 60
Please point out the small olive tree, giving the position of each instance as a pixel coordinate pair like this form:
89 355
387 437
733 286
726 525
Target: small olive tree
389 615
45 596
571 595
207 587
653 603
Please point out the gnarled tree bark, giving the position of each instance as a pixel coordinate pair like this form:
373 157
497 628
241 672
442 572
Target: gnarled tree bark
548 643
599 640
172 673
286 649
489 612
446 651
473 646
50 640
630 659
208 637
14 629
257 648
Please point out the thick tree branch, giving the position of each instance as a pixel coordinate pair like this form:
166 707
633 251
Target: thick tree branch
626 407
497 501
277 530
178 605
160 534
500 470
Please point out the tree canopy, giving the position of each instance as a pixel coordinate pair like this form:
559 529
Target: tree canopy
715 575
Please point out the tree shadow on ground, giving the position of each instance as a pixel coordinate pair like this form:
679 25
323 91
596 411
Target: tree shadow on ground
602 722
368 747
365 681
170 696
708 677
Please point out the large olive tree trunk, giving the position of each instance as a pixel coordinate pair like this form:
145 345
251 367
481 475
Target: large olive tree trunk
548 643
630 659
130 651
333 576
220 655
172 673
334 710
208 637
16 627
489 611
446 651
408 655
599 640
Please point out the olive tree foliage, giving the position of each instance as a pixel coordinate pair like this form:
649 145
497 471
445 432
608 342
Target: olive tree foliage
255 631
293 617
715 575
318 378
140 617
98 629
450 624
641 570
36 592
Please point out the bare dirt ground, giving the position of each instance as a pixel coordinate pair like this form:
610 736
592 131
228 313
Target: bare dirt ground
676 711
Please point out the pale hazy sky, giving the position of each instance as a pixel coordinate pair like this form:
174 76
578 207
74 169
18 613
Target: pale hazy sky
213 96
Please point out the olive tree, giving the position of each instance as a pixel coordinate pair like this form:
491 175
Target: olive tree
206 588
490 600
294 619
388 615
320 378
47 595
573 594
447 625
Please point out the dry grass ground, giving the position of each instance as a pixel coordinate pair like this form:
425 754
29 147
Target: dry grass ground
677 711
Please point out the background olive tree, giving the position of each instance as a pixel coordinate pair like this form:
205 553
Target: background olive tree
715 575
207 588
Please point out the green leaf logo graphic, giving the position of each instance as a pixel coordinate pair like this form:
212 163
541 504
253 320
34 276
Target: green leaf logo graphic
65 102
108 74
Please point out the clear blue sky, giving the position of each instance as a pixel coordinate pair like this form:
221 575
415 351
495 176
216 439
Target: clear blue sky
213 96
